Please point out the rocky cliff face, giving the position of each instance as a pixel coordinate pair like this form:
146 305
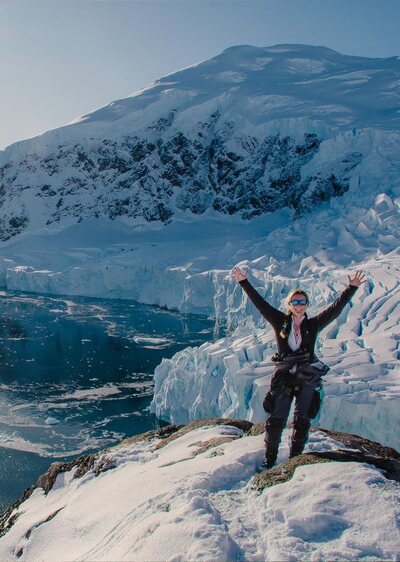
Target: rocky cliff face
155 177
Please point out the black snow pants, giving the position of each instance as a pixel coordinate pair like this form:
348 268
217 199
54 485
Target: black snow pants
292 381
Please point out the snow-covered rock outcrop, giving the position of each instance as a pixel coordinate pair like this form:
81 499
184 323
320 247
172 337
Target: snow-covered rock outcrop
192 493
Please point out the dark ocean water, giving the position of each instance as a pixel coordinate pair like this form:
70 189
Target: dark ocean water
76 376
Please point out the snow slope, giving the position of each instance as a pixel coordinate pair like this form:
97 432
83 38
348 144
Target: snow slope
193 499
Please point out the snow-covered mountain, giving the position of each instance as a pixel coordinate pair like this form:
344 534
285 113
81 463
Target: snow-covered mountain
192 493
219 155
248 132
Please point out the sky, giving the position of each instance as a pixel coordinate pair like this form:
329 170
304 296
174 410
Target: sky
60 59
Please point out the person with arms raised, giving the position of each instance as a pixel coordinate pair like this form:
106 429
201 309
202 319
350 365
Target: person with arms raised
298 372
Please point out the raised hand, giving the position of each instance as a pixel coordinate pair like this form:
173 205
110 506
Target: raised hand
358 278
238 274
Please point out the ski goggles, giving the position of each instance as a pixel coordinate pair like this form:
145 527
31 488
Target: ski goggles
295 302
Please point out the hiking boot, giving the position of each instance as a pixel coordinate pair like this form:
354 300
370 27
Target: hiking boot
269 461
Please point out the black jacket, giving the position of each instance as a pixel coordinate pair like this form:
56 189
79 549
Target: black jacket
309 327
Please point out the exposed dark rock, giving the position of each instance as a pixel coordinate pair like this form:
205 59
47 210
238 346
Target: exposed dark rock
240 424
7 520
211 169
363 450
319 188
46 191
203 446
162 433
284 472
360 443
11 226
83 464
257 429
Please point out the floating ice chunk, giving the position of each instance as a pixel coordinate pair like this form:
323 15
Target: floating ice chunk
157 342
51 421
92 393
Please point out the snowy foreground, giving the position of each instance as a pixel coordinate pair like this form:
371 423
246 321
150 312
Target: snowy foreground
195 495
